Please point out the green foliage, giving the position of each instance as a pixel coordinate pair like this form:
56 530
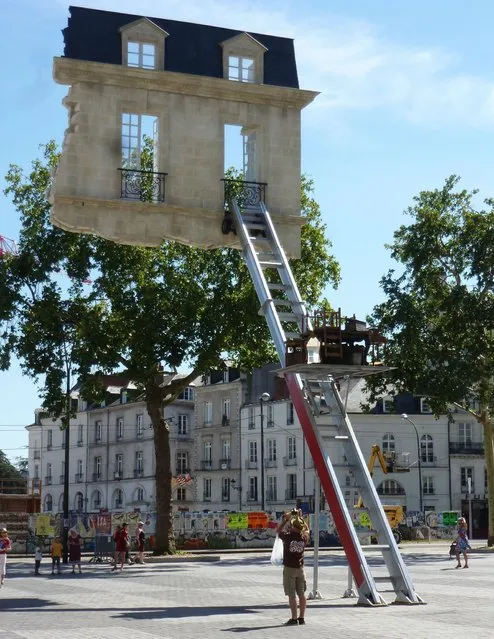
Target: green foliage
439 310
8 470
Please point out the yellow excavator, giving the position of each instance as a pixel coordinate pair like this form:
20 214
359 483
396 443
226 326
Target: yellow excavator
387 462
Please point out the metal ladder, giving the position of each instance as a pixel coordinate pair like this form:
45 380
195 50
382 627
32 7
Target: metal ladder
286 316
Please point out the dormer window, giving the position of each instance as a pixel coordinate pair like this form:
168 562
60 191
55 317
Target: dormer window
243 59
141 55
241 69
143 45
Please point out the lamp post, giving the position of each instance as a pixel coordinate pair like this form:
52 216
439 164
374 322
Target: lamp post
406 418
265 397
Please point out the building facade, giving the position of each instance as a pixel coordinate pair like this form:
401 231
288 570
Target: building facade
111 452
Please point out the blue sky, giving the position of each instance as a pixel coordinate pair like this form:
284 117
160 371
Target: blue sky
407 98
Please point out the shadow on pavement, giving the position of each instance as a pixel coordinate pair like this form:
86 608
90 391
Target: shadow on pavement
32 603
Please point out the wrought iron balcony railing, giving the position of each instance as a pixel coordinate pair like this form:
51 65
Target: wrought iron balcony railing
248 194
466 448
145 186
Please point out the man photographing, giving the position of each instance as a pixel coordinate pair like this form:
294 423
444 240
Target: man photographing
294 533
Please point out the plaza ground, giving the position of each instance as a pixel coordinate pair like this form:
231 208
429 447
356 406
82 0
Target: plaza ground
240 594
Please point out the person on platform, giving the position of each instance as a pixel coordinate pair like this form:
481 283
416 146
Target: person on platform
140 539
294 533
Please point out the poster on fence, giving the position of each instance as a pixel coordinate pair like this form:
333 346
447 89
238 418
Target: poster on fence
257 520
102 523
44 527
238 521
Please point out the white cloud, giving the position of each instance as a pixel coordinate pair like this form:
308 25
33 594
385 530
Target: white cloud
352 64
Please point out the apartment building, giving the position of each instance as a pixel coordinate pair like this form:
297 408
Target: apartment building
111 451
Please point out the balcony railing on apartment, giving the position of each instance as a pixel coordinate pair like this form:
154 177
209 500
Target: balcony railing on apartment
37 453
138 472
80 442
290 494
78 478
251 496
97 476
270 463
251 465
145 186
289 461
206 464
48 480
248 194
61 479
225 464
466 448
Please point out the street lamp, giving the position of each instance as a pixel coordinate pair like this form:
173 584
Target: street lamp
265 397
406 418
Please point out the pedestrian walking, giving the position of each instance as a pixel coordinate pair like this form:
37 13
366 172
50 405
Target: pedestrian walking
140 541
122 545
56 555
294 538
75 549
5 546
462 542
38 556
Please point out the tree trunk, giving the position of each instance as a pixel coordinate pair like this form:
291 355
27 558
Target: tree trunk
489 464
165 540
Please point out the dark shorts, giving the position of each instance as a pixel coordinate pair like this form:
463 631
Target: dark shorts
294 581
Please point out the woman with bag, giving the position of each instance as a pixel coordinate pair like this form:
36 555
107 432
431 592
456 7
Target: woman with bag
462 543
122 544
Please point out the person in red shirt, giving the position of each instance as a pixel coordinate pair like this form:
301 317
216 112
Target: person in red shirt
5 546
294 539
122 543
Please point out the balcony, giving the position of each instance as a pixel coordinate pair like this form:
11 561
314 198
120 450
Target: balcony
225 464
270 463
97 476
138 472
48 480
389 492
79 478
251 496
271 496
248 194
118 474
144 186
80 442
466 448
290 494
225 497
206 464
206 498
49 446
289 461
37 453
62 479
251 465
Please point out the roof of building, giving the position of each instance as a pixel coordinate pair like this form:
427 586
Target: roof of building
94 35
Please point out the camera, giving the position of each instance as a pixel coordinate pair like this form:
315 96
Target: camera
294 511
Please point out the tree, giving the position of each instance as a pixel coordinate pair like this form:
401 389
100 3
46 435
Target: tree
146 310
8 470
439 310
22 465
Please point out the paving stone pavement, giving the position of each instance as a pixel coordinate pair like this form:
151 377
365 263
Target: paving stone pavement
241 594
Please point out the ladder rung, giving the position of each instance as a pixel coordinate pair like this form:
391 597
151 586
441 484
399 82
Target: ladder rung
389 578
280 302
254 225
270 264
279 287
290 335
287 317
